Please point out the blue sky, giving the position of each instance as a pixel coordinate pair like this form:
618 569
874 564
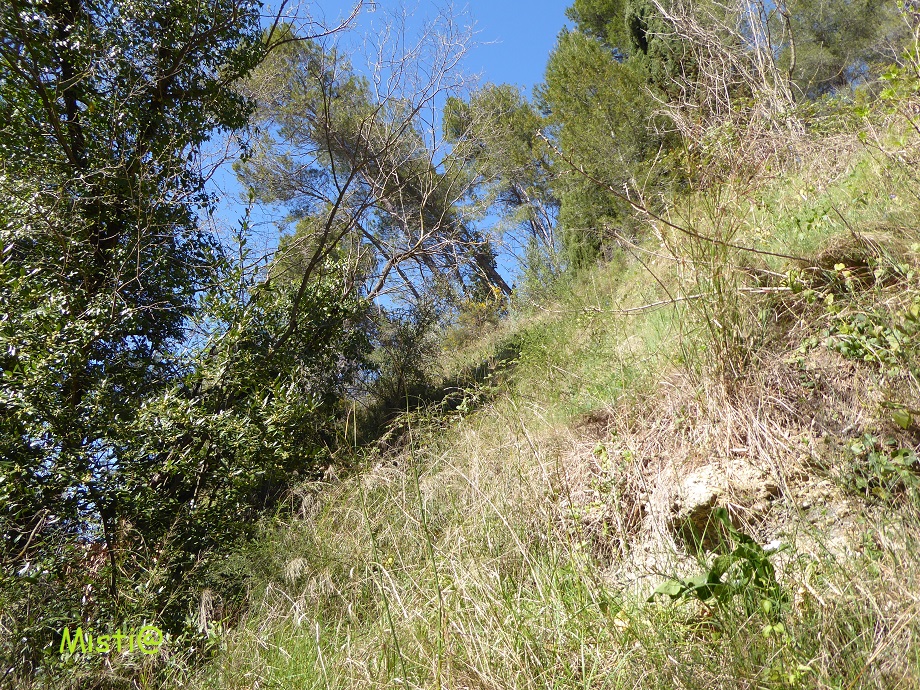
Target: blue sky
524 32
514 36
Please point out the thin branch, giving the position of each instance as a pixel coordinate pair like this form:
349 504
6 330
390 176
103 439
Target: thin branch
645 211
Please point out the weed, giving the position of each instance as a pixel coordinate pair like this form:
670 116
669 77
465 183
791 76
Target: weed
743 572
880 470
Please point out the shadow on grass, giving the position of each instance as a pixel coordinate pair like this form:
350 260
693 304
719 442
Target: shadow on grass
385 420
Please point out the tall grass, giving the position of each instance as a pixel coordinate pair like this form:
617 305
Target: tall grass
456 568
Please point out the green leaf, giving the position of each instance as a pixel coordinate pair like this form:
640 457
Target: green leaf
902 418
672 588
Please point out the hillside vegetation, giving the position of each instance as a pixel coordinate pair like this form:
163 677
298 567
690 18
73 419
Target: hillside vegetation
516 540
679 450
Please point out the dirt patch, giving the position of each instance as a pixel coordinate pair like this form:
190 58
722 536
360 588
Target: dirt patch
643 483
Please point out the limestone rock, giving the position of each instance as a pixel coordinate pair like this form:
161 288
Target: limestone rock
718 484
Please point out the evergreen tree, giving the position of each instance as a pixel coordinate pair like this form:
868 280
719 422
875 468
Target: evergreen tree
601 114
836 44
497 137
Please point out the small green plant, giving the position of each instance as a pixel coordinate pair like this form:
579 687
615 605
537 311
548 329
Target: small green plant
477 314
744 570
881 470
887 339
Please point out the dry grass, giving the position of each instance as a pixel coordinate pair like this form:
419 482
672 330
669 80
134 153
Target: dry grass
475 561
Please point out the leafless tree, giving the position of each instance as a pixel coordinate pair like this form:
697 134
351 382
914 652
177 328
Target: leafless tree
733 57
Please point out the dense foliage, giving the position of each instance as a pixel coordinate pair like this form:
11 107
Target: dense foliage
152 401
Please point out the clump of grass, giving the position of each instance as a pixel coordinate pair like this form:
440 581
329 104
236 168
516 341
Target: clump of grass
434 573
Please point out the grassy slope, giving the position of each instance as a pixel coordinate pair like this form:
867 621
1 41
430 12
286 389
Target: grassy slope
488 552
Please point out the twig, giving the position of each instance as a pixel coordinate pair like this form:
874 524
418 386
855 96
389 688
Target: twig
630 310
644 210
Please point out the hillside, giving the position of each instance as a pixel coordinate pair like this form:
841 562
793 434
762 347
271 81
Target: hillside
735 429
